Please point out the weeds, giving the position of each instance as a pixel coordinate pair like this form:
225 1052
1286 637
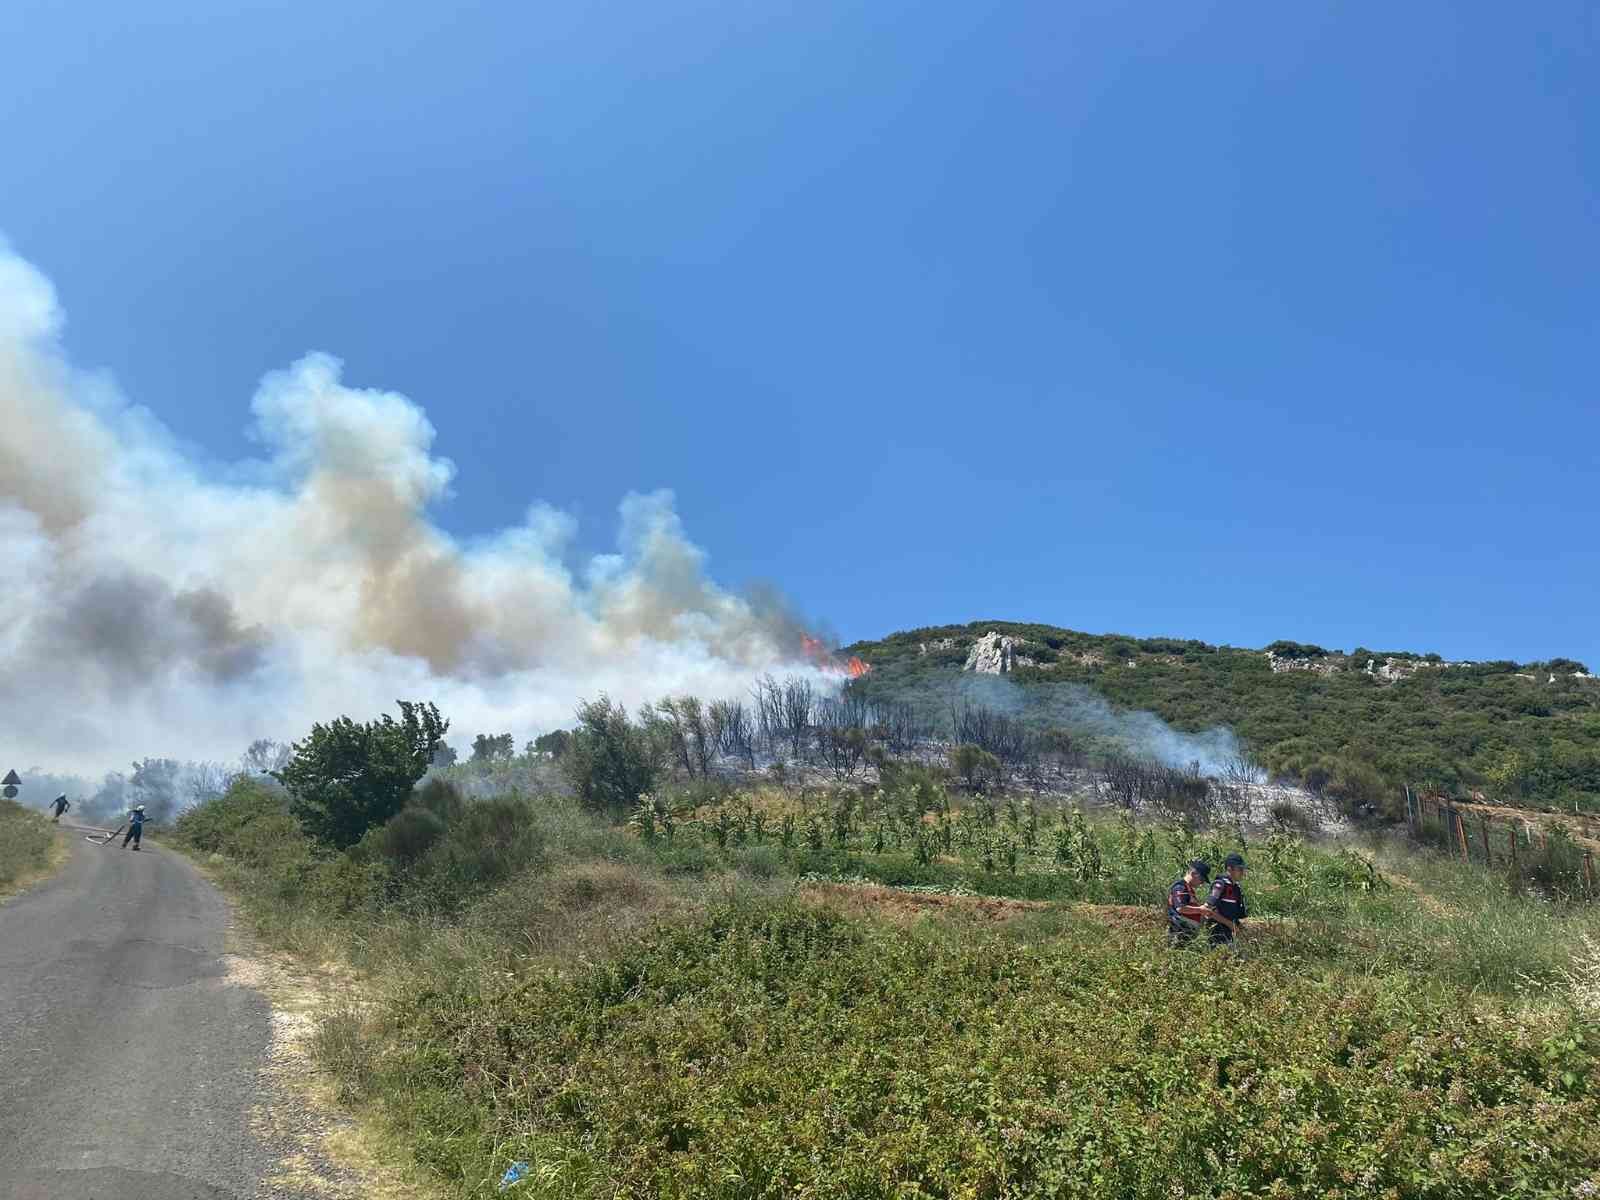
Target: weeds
26 839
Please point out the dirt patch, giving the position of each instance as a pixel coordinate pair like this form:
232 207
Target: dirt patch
1122 916
900 905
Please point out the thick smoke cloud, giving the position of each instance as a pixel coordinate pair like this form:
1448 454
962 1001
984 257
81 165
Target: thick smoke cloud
157 605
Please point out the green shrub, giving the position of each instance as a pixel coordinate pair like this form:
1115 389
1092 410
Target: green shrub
609 759
346 778
778 1050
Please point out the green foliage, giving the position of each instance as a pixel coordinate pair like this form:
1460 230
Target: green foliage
775 1049
499 748
1452 727
1285 649
555 743
610 761
347 777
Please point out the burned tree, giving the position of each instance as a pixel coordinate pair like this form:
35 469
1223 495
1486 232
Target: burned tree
732 731
841 733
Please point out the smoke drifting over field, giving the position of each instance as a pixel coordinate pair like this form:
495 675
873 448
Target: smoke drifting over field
155 604
1075 707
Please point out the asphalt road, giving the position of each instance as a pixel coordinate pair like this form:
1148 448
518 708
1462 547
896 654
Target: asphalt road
129 1063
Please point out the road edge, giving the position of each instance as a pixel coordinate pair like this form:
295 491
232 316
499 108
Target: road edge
56 858
324 1147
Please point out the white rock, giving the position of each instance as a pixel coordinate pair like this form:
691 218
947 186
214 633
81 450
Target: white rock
992 654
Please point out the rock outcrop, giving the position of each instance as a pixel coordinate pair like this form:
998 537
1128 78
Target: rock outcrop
1326 665
992 654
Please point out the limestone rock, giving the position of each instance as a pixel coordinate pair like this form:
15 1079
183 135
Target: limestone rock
992 654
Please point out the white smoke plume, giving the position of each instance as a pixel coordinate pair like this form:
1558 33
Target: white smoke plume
153 604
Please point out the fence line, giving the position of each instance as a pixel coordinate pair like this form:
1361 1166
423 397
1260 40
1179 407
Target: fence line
1521 834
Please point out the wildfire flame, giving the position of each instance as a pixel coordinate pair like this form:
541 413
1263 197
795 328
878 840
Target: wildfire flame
827 661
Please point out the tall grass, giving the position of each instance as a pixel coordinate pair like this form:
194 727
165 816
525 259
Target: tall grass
26 840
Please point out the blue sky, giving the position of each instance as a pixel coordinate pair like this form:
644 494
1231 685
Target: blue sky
1223 321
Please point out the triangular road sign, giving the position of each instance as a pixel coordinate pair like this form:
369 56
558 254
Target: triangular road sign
10 780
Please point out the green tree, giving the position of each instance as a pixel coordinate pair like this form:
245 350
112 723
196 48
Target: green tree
609 759
347 777
487 749
555 743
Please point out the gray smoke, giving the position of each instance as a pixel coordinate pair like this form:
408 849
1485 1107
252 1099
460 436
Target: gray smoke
155 603
164 786
1086 713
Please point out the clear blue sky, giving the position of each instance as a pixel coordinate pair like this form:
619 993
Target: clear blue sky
1232 321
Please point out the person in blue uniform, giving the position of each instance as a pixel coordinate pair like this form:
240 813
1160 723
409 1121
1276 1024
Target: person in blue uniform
60 804
1226 902
1186 916
135 827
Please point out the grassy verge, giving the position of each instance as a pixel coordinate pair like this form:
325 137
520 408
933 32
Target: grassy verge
29 848
676 1013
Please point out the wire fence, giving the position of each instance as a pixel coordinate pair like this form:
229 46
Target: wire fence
1535 855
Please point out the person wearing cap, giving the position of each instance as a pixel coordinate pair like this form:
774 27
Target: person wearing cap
60 804
1226 902
135 827
1185 914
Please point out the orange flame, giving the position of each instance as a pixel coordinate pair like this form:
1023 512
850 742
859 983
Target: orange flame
825 660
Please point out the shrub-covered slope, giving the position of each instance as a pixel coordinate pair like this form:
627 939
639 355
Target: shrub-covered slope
1525 734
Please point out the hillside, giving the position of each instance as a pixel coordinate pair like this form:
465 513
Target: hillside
1362 722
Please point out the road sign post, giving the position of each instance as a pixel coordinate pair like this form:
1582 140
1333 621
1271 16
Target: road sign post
9 785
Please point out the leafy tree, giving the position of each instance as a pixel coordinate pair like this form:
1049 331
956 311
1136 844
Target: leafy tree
610 760
498 748
555 743
347 777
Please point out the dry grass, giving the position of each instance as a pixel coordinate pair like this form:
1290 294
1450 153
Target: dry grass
31 849
899 905
324 1151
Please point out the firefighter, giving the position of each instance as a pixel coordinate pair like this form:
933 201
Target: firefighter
135 827
1226 902
60 804
1185 913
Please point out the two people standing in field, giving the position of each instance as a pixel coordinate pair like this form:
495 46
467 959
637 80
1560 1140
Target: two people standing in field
1219 916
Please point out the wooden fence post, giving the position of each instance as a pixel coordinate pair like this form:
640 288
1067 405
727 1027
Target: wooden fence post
1588 870
1461 832
1483 828
1512 840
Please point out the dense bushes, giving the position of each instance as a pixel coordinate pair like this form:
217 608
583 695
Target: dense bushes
774 1049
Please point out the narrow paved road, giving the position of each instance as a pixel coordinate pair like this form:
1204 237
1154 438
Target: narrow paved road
129 1064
